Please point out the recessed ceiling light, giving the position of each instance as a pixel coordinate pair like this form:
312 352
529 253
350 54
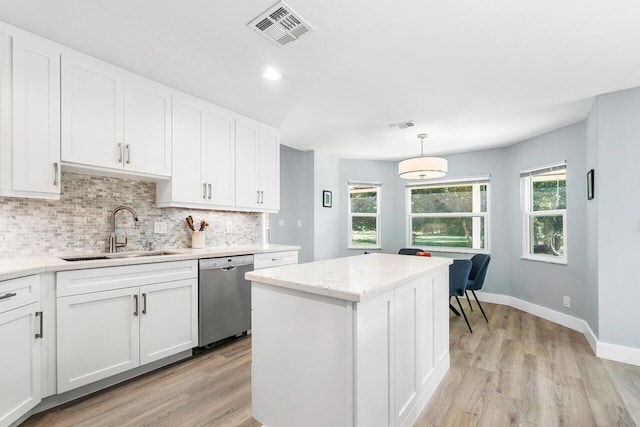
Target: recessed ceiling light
271 74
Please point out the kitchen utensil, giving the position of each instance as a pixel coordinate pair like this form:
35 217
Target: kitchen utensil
203 224
190 223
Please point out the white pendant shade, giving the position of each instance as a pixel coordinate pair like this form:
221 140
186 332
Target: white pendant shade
423 168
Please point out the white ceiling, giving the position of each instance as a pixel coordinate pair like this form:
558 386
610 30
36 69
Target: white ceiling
471 73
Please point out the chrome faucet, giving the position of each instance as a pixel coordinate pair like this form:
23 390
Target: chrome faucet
113 243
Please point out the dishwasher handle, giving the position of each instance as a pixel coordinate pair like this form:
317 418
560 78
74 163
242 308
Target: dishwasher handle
229 268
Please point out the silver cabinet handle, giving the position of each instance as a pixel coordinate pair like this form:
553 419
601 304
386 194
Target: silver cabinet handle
258 193
144 303
128 148
55 173
204 190
41 316
135 301
119 152
261 197
209 191
8 295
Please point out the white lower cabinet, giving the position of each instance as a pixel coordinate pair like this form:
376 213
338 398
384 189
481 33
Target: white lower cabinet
106 332
168 319
98 336
19 361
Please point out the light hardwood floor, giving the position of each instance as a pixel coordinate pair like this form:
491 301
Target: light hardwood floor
517 370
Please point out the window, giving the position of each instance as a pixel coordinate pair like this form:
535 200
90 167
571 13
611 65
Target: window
364 216
449 216
544 213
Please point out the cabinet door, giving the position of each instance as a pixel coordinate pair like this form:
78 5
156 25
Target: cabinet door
20 361
147 127
92 112
36 115
169 319
98 336
247 165
220 159
188 183
269 170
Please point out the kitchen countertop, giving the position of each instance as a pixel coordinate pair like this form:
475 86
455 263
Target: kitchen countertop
354 278
13 267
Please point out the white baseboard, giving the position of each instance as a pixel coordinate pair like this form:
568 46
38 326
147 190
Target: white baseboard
601 349
619 353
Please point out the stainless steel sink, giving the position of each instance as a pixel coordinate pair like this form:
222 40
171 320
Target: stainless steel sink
118 255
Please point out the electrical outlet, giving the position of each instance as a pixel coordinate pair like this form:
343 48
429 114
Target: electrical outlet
299 223
160 227
281 222
566 301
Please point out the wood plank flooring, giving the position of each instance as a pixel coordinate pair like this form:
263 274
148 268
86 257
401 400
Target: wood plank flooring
517 370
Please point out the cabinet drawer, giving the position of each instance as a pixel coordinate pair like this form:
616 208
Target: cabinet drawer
274 259
18 292
108 278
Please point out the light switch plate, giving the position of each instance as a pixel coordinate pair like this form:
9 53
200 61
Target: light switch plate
281 222
299 223
566 301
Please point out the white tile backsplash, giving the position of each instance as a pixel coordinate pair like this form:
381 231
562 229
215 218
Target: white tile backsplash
79 221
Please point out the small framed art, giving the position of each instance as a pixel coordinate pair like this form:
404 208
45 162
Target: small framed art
327 199
590 190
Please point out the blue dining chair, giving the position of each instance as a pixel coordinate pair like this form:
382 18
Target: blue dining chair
458 275
480 264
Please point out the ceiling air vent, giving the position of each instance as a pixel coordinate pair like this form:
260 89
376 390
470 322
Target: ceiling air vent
280 24
401 125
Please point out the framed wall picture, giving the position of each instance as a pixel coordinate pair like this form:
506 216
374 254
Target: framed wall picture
590 190
327 199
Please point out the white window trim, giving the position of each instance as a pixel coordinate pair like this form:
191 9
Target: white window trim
451 182
376 215
525 205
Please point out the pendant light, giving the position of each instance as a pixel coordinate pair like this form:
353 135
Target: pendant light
423 167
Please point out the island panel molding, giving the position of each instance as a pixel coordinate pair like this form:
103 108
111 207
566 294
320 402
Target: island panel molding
334 347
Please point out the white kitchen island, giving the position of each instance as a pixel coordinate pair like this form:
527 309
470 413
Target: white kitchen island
355 341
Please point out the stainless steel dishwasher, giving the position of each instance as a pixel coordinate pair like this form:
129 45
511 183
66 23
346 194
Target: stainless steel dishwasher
224 300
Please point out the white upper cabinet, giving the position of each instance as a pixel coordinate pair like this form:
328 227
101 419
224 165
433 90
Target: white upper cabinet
113 119
269 170
92 112
187 185
247 165
221 158
203 172
257 167
29 116
147 127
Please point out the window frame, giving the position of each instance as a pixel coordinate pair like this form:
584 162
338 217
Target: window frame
455 182
377 187
528 214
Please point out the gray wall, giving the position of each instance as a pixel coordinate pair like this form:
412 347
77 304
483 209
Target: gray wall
538 282
591 282
296 203
326 220
618 216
